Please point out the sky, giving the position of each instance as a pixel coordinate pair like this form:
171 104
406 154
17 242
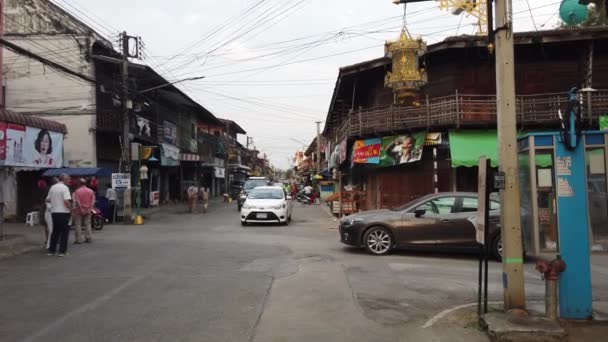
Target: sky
271 65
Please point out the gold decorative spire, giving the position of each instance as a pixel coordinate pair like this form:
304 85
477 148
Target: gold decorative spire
407 76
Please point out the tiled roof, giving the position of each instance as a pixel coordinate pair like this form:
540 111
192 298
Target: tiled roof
32 121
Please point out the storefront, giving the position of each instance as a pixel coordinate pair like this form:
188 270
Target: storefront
169 173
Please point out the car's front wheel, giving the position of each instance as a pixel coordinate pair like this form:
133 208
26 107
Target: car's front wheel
378 241
496 248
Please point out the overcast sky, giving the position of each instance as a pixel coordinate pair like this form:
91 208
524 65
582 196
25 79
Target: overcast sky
271 65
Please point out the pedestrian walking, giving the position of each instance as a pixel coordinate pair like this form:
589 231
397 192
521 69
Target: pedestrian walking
84 199
61 202
204 193
111 196
192 198
48 219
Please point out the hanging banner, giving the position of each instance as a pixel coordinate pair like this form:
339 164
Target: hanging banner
169 133
3 126
15 138
402 149
367 151
143 127
343 151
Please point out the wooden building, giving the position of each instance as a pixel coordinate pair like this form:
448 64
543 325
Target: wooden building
459 98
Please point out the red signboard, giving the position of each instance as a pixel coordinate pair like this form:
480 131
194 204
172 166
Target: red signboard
367 151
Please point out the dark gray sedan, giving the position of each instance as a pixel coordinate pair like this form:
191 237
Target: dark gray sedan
437 221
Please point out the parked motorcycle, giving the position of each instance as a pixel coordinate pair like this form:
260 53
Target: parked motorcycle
97 219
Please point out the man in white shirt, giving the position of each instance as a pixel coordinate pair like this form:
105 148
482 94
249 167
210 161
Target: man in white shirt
61 201
111 196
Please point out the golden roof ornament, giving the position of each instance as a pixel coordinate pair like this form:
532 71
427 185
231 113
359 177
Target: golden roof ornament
407 76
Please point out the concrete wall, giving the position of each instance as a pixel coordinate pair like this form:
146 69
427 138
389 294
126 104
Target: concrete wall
34 88
8 183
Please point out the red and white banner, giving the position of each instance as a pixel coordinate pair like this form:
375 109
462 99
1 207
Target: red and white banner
189 157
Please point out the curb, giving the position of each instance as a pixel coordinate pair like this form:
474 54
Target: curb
19 245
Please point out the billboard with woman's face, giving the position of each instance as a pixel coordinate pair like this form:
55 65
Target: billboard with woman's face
43 148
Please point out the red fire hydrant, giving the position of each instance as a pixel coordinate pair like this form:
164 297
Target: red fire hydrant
550 271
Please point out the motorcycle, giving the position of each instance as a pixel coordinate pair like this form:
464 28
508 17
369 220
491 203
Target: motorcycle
303 198
97 219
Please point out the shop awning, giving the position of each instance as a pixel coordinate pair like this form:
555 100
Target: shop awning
467 146
79 172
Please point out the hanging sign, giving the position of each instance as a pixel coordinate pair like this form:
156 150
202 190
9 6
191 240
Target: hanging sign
367 151
402 149
121 181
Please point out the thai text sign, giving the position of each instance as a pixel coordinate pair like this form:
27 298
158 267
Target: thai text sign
367 151
402 149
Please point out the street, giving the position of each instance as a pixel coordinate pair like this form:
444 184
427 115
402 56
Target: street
196 277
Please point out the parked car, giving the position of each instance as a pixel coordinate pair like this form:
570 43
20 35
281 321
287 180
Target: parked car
437 221
267 204
250 184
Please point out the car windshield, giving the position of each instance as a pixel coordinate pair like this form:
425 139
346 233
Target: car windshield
254 183
266 194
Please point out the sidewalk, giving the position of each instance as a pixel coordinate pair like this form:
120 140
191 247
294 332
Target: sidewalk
19 238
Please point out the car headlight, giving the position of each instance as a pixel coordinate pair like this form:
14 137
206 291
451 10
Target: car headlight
279 206
247 206
242 196
350 222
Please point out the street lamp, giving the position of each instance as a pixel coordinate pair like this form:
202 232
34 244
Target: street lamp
171 83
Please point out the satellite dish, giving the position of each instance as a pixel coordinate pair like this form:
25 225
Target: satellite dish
572 12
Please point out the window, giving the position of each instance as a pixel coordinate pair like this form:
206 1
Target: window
441 206
193 131
469 204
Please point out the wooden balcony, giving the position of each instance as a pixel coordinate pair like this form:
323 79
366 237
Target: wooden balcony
465 111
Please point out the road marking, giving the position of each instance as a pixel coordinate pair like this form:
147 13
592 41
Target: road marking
444 313
87 307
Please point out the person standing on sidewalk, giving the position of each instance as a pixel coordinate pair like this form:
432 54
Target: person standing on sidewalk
192 198
205 196
84 199
111 196
61 202
48 218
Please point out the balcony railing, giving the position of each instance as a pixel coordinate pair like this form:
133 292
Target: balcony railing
460 110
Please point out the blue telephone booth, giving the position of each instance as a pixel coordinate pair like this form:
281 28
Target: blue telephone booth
565 207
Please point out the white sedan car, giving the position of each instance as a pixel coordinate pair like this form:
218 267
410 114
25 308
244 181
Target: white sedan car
267 204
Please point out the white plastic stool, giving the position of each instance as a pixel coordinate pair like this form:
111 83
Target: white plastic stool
32 218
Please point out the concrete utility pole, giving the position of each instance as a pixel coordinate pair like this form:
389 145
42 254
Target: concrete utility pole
126 153
512 259
318 146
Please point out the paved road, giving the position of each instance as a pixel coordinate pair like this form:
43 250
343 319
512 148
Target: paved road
185 277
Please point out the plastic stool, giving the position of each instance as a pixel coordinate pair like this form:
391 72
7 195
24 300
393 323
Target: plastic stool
32 218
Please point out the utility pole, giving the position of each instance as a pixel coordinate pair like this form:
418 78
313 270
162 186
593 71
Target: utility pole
318 146
126 155
512 257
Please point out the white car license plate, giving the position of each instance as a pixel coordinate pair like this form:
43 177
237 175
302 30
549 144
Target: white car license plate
261 216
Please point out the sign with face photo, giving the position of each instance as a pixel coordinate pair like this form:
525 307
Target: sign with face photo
401 149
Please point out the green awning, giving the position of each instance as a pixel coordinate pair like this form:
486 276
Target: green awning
466 147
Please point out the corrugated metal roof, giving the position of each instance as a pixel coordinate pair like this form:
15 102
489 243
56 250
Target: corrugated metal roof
32 121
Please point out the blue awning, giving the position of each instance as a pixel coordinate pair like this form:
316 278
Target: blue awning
79 172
